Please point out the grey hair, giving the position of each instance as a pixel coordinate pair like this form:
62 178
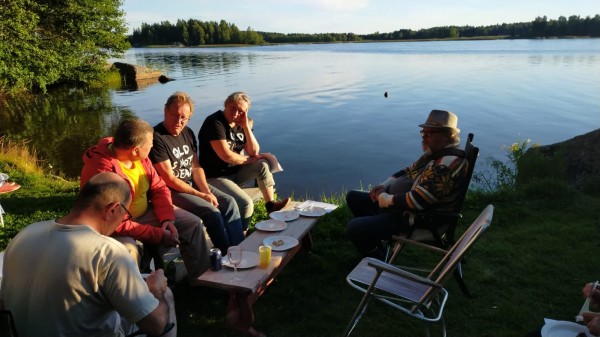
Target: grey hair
237 96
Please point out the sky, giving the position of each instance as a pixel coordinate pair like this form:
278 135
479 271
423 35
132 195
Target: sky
352 16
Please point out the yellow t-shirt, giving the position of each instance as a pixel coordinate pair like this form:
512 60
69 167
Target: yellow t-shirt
141 185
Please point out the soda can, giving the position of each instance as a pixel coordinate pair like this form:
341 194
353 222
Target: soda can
215 259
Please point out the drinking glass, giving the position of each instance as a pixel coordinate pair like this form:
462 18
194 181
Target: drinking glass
264 253
234 253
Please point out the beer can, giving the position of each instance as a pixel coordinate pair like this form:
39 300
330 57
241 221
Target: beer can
215 259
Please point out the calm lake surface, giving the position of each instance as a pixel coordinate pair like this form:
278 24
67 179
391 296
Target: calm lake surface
321 108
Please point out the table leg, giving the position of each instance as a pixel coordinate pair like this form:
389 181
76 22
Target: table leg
307 242
240 315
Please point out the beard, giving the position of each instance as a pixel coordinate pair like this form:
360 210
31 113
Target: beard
425 147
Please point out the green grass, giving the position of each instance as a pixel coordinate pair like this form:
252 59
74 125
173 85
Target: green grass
532 263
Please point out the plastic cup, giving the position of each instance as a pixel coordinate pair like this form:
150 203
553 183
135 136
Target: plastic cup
264 253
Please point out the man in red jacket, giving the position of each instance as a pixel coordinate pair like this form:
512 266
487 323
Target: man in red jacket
153 220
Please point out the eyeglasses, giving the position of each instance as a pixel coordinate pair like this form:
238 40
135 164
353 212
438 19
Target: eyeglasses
429 132
128 216
178 118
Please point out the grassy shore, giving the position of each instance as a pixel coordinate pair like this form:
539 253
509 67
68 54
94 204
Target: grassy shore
532 263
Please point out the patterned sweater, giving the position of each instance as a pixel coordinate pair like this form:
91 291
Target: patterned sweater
436 183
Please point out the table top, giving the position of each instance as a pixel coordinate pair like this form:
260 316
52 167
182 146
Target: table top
253 279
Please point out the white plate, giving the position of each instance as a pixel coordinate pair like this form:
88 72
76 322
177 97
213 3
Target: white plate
271 225
249 260
313 211
288 242
563 329
285 215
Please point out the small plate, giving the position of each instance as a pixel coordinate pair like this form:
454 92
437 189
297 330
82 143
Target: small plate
284 242
249 260
285 215
313 211
271 225
563 329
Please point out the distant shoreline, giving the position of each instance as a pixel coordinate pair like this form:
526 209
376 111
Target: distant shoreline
474 38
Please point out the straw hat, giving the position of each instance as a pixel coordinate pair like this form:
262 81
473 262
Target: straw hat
441 119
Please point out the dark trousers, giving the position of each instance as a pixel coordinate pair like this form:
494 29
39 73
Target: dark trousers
371 224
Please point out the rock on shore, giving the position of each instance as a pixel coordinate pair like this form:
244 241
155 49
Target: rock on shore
581 156
140 76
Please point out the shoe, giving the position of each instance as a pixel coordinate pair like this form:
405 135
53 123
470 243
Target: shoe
377 253
274 206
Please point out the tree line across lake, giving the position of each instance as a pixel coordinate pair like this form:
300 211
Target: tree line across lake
50 43
197 33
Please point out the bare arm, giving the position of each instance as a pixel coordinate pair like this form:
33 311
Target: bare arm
165 170
154 323
228 156
199 178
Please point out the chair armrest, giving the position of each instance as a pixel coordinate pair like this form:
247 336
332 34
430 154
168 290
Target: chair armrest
418 244
382 266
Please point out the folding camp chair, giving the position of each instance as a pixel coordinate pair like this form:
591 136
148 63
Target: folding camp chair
436 228
423 298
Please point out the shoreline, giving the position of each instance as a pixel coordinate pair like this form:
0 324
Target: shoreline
474 38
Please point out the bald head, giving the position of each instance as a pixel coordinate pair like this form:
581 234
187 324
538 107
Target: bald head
102 189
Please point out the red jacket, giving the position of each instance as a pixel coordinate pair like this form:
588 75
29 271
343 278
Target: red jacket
99 158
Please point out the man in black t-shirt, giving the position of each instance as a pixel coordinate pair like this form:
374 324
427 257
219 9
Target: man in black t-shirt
222 137
174 155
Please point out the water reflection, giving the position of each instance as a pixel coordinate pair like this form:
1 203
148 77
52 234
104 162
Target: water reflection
194 62
61 124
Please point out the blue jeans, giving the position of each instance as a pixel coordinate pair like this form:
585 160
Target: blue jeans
230 184
223 224
371 224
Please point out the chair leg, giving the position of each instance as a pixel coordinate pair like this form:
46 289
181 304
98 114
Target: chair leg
360 310
461 282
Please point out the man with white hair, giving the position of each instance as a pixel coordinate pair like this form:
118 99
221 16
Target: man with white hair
433 182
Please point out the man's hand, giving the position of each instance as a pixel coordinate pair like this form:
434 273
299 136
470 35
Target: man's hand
594 293
169 239
592 320
242 119
211 198
170 225
170 236
376 191
157 283
385 200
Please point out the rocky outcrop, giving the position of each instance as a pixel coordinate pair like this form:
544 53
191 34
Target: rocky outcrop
581 156
135 75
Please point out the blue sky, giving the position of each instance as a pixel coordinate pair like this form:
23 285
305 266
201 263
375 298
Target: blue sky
355 16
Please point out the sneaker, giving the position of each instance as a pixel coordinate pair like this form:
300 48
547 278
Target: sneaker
274 206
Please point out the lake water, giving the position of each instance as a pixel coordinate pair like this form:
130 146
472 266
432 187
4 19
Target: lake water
321 109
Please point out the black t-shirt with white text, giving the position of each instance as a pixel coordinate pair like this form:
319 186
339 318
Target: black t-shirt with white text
216 127
179 150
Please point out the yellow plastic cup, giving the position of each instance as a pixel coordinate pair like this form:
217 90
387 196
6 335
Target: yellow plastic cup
264 253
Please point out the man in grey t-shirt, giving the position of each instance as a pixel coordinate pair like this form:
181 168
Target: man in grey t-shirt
68 277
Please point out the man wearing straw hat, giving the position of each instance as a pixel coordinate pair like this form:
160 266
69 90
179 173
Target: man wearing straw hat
430 183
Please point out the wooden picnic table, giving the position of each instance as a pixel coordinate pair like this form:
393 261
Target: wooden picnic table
254 281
